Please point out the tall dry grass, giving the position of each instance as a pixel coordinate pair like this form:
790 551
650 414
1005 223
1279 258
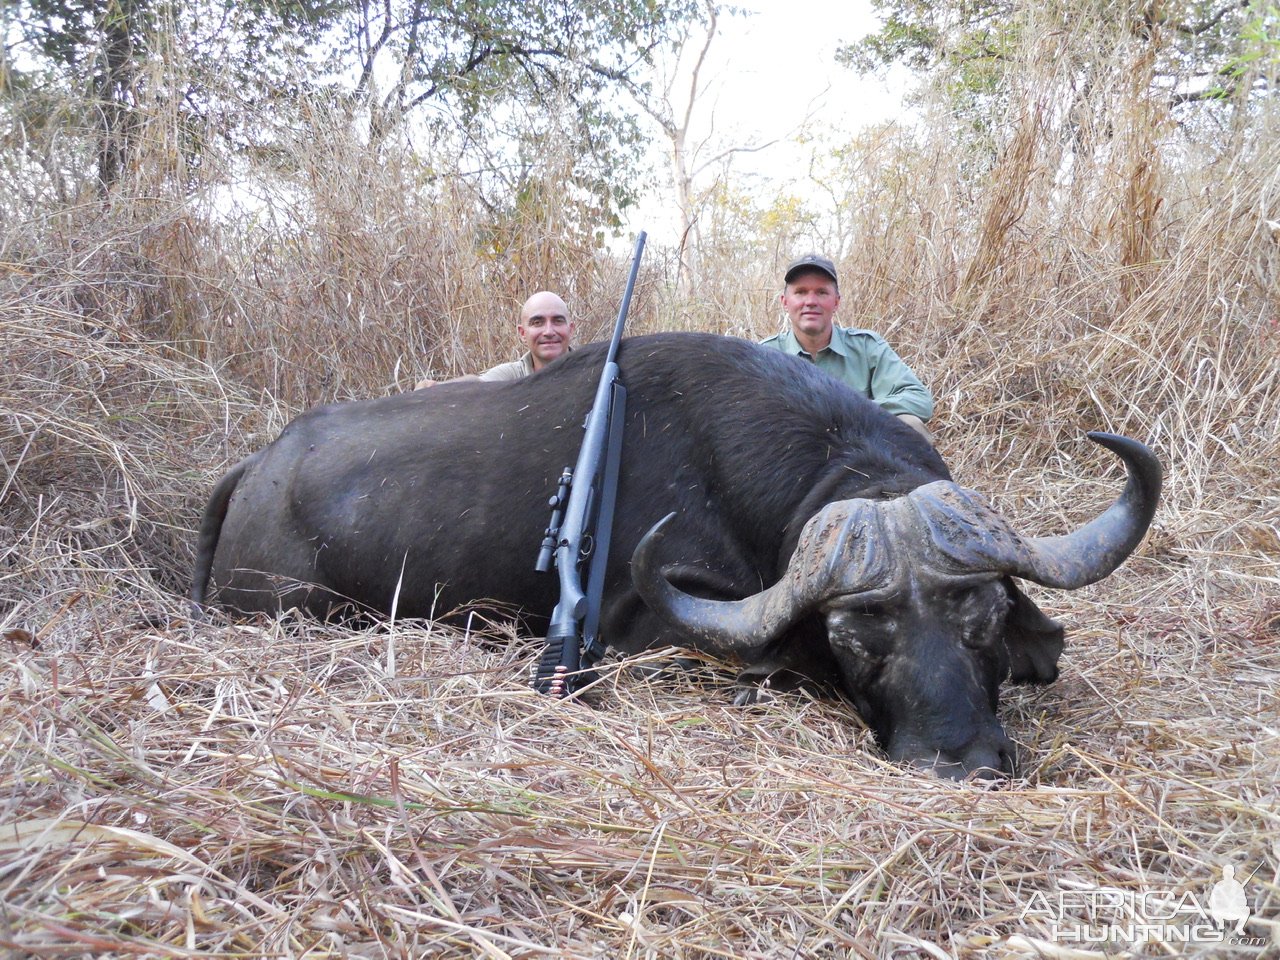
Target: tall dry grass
282 789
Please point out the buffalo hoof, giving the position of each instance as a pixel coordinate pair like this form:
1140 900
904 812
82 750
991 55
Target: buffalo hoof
665 670
754 694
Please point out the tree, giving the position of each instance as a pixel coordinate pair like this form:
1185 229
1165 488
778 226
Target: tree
82 64
512 80
679 91
1209 50
97 44
478 66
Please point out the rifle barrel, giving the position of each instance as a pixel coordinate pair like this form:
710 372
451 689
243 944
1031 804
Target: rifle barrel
626 298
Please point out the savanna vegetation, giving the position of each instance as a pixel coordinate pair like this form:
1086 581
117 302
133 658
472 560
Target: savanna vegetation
213 216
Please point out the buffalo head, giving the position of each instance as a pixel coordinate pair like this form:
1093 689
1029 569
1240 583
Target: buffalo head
922 616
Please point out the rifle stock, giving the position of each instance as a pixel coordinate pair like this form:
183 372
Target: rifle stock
581 520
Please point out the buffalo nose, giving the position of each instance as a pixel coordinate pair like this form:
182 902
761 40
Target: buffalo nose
987 759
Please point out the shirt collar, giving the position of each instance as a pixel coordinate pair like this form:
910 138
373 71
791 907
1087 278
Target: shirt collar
837 344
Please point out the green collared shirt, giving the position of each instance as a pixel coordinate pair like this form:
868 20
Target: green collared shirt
867 363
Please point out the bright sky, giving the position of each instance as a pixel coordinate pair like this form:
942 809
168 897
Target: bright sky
766 72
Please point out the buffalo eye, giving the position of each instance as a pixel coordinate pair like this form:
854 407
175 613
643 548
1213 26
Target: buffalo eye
980 611
867 629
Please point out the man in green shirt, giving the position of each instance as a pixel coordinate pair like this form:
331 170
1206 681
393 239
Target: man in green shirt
862 359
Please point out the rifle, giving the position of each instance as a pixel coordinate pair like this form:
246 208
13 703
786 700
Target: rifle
581 524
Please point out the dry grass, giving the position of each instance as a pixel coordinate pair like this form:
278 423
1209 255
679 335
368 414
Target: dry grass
292 790
289 789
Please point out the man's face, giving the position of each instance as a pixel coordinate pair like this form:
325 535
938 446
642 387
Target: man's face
545 328
810 300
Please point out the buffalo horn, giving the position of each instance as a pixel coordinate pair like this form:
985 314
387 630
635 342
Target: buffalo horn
1100 546
740 627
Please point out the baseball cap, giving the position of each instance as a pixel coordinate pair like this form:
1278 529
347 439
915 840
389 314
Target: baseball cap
810 261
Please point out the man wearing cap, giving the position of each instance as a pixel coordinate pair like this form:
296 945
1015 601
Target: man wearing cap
544 328
862 359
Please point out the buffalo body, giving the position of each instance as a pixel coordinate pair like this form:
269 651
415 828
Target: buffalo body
898 593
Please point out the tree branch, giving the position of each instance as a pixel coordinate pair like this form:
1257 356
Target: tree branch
368 56
1204 26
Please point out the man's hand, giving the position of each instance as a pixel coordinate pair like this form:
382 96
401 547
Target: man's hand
916 424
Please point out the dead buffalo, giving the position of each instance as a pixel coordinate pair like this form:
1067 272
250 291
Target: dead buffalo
812 534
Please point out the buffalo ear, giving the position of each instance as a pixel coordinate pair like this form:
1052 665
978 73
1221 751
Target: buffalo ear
1033 640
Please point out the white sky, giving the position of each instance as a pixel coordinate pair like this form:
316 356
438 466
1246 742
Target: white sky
766 73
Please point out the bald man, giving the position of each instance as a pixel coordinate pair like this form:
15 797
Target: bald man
546 331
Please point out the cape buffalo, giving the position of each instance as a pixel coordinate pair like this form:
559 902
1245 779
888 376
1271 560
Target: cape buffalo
812 534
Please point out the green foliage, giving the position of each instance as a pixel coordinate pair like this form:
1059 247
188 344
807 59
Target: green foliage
919 33
513 79
1204 48
94 47
1257 58
82 68
496 75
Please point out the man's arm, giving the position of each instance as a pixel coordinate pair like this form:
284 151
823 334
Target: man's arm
513 370
422 384
894 385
